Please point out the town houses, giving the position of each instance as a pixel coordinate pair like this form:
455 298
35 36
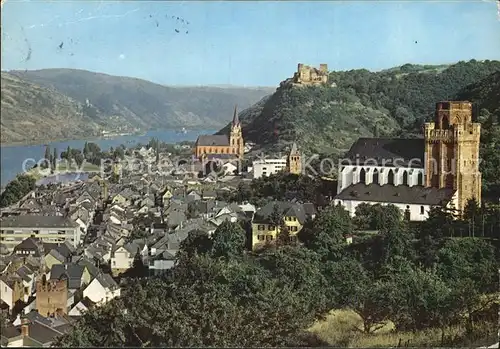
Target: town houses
65 247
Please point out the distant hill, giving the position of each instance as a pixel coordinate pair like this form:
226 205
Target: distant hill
358 103
110 102
31 112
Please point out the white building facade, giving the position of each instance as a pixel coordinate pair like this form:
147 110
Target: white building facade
389 171
51 229
267 167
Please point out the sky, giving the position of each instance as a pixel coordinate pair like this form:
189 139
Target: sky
242 43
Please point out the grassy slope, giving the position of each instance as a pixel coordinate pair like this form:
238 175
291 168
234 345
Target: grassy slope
341 328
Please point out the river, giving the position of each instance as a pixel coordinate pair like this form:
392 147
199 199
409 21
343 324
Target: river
13 157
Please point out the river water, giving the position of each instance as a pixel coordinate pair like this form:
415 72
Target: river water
13 157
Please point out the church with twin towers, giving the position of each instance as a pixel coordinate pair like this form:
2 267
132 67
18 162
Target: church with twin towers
440 169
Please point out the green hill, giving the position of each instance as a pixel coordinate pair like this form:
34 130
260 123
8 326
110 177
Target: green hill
358 103
486 95
113 103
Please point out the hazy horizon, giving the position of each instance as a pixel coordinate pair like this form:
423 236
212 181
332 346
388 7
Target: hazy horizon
242 44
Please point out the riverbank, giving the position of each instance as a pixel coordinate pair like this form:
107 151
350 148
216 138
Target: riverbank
62 169
92 138
47 141
15 159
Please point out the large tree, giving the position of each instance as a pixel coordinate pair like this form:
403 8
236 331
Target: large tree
209 302
327 233
228 240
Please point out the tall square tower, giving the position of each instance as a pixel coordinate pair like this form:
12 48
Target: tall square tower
452 151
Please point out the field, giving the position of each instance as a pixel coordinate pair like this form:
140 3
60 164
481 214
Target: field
342 328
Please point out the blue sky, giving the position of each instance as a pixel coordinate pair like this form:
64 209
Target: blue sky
242 43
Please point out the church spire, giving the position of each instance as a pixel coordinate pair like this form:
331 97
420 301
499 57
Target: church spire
236 120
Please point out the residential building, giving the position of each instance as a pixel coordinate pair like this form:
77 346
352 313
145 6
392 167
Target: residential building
81 307
52 258
268 221
160 263
291 163
11 290
122 258
267 167
35 333
29 247
15 229
77 275
101 289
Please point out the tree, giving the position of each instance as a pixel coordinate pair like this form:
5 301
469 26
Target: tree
85 150
419 298
300 269
157 153
432 233
119 153
192 211
209 303
197 242
54 158
377 217
326 234
228 240
138 269
472 211
16 189
103 326
47 158
277 219
388 248
284 238
78 157
468 259
356 288
363 216
3 321
276 216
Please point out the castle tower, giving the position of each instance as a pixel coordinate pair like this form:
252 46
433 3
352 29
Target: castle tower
51 296
452 151
236 136
294 160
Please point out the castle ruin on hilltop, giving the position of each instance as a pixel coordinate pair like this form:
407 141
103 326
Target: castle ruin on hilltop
307 75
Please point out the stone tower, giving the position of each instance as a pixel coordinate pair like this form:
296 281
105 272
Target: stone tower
236 136
452 151
294 160
51 296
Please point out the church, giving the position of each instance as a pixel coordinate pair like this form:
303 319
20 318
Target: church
442 168
222 146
